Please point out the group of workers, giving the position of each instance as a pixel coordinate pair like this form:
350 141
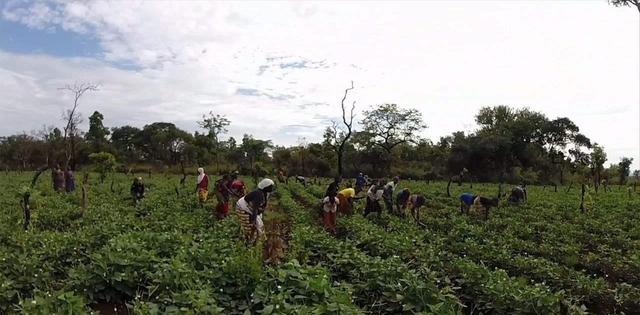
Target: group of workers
249 207
341 201
63 180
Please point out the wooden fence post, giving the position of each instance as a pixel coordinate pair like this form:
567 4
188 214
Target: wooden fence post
84 202
26 210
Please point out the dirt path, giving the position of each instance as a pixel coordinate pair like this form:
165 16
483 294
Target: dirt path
277 226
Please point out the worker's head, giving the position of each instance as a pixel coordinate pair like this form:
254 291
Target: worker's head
266 185
200 170
337 179
138 180
360 174
396 179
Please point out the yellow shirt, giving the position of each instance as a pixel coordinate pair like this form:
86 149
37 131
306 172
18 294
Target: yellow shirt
348 192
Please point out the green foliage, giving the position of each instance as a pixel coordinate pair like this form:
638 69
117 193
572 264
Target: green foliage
97 134
170 256
45 303
104 163
624 169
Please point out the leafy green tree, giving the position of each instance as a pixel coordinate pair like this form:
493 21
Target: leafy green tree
161 141
126 140
215 125
624 169
598 157
104 163
389 126
97 134
254 150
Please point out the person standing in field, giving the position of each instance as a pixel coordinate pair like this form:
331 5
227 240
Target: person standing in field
361 181
202 187
223 193
69 180
137 189
58 179
388 193
332 189
374 194
329 207
249 210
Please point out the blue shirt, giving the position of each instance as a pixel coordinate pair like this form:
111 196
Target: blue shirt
467 198
360 180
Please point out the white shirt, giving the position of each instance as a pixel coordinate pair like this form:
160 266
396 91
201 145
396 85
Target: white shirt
391 184
328 207
374 195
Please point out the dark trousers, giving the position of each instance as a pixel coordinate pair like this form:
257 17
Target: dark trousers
372 206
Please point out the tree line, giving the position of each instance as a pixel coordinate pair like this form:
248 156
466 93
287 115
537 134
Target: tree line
510 145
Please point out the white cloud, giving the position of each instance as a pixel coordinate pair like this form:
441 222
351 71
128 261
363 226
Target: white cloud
263 63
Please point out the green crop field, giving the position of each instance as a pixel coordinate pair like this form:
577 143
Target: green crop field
168 255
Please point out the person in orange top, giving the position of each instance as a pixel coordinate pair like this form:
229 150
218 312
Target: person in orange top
202 188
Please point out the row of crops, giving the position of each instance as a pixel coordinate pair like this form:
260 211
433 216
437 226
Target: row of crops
545 257
170 256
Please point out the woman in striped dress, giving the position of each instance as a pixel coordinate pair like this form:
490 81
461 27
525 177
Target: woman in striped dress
250 208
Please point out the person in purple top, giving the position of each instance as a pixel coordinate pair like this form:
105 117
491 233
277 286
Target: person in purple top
69 180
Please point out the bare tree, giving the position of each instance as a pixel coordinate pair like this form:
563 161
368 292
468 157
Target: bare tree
337 136
626 3
72 117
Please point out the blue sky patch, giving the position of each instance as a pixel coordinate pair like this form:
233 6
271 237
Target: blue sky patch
18 38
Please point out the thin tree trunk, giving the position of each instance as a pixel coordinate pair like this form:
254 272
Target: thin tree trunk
34 180
84 202
582 199
569 188
26 210
340 167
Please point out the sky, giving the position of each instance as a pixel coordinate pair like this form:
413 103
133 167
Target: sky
278 70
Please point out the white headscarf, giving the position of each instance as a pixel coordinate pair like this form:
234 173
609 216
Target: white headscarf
265 183
200 174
